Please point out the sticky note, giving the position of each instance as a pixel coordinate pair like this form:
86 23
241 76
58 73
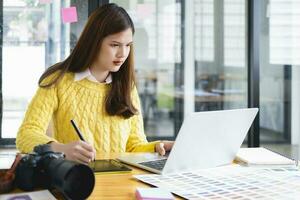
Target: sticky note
153 194
69 15
45 1
145 10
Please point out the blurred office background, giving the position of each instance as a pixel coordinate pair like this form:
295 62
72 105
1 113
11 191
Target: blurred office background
195 55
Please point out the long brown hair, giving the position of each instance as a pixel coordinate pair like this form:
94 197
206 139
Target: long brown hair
106 20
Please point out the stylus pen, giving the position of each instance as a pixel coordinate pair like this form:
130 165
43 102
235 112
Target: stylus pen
77 130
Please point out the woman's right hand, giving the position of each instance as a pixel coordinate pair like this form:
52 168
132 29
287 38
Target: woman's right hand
78 151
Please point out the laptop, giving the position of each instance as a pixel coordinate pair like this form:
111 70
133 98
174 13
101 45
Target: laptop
205 139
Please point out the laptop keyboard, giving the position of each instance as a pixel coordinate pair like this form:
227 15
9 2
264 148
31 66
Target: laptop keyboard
155 164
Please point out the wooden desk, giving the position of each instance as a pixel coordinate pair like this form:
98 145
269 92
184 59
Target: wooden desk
114 186
117 186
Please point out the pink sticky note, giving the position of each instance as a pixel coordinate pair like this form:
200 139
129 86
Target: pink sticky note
69 15
45 1
144 10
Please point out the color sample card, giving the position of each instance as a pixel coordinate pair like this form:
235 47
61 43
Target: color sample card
231 182
69 15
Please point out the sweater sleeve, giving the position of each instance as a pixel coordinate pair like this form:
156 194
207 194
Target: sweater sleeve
33 129
137 141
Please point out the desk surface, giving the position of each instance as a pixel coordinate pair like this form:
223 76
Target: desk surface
115 186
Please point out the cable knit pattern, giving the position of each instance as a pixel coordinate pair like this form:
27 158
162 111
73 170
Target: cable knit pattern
82 101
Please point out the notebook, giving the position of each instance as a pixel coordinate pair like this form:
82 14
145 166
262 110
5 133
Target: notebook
7 159
153 194
206 139
261 156
36 195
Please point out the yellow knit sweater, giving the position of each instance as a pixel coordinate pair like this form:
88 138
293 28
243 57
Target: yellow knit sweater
82 101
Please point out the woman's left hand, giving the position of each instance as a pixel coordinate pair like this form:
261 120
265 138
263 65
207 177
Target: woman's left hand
163 146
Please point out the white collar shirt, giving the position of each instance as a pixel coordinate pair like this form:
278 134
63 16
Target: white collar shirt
88 75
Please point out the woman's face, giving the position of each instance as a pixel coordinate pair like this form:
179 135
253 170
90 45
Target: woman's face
114 51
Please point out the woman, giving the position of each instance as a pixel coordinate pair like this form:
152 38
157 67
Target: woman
95 87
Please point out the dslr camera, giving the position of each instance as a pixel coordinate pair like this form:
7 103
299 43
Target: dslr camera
47 169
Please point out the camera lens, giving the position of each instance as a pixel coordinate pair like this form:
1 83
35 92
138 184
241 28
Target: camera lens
73 179
79 182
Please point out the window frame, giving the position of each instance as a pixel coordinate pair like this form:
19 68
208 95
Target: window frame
10 142
252 56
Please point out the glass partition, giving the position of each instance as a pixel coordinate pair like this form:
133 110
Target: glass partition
157 46
34 38
279 76
220 54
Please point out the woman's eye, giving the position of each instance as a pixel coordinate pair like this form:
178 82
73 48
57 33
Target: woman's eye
114 45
